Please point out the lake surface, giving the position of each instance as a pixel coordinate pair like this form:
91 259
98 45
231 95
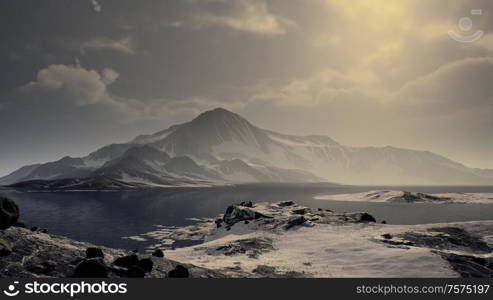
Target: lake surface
103 218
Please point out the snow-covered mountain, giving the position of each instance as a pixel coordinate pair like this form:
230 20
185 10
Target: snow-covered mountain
220 146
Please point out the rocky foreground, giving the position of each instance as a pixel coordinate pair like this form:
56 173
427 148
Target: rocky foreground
288 240
283 240
34 253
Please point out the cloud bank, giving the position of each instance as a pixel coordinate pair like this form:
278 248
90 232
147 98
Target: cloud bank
363 72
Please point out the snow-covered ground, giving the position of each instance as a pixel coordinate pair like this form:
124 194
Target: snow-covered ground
325 251
407 197
328 244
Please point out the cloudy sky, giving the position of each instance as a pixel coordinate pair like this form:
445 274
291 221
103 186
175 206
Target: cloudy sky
80 74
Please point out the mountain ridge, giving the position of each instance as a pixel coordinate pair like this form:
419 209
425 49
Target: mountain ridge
220 146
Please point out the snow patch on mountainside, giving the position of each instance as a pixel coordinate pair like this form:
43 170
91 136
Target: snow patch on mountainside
134 179
95 163
148 139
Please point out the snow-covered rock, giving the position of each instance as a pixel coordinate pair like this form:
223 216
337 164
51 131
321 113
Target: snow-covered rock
263 241
409 197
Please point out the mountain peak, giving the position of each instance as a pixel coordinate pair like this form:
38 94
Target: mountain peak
217 113
220 118
220 110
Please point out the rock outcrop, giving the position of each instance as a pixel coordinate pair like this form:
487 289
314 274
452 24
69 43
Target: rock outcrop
28 253
158 253
35 254
9 213
179 272
241 212
450 243
94 252
470 266
252 247
287 215
409 197
91 268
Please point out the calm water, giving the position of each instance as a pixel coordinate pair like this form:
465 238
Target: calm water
105 217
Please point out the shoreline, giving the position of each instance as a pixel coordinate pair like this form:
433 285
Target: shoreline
269 240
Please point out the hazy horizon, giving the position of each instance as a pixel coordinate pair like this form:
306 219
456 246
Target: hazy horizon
80 75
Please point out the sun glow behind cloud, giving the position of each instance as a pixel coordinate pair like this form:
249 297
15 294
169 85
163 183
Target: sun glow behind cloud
373 31
379 15
375 50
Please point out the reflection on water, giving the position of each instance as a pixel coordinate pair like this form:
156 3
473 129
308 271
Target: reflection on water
105 217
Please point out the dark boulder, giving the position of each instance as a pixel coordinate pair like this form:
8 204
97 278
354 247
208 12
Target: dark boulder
296 221
179 272
361 218
127 261
135 272
91 268
366 217
300 211
235 214
158 253
145 264
246 204
387 236
285 203
5 248
94 252
265 271
134 266
218 223
9 213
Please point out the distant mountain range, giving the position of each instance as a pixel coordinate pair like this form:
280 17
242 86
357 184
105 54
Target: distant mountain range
219 147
